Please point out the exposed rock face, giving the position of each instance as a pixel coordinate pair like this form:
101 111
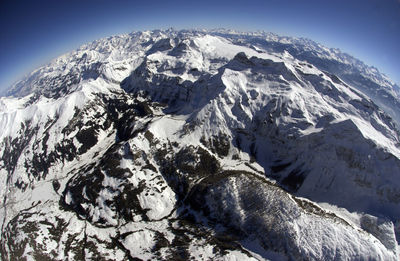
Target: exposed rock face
203 145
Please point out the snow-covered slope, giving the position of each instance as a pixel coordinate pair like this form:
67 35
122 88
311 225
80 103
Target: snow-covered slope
200 144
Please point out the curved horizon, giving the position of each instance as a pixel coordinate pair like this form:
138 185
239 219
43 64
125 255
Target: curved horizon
36 33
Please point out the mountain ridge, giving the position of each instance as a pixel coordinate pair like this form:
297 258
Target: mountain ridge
230 32
366 78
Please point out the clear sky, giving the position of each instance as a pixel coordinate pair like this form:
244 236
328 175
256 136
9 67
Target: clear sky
33 32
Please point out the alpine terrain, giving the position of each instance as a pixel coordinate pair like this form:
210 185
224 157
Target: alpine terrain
201 145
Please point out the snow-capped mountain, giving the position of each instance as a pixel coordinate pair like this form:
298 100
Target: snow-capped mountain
201 145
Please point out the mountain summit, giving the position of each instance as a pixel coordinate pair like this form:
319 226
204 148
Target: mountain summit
177 145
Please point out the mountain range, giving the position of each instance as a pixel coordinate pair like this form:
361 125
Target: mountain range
201 144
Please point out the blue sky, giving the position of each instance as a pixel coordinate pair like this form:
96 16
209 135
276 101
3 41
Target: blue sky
34 32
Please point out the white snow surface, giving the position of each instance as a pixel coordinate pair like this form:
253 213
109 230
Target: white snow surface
282 115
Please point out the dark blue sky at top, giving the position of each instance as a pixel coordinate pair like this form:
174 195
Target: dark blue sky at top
34 32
